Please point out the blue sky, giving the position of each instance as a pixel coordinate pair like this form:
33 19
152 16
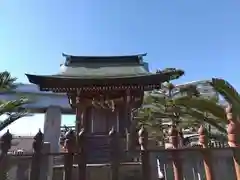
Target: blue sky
201 37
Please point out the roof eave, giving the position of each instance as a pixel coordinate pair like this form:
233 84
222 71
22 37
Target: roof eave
153 79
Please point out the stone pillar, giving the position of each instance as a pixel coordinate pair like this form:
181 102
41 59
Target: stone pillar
52 124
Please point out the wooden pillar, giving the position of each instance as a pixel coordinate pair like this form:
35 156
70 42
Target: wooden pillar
92 119
82 155
126 125
233 139
69 145
114 153
144 153
177 166
80 123
117 119
127 108
203 141
129 127
80 137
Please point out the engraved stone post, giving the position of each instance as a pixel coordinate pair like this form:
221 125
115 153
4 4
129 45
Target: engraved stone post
52 125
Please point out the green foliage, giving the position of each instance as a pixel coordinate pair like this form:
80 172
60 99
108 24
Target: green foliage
203 108
229 93
10 106
13 109
158 105
186 107
183 106
209 110
225 89
6 81
200 118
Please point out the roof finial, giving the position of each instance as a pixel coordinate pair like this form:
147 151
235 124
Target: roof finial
64 55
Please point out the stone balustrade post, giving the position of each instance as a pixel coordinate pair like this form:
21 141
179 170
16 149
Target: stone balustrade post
233 139
46 169
5 145
177 166
37 156
203 141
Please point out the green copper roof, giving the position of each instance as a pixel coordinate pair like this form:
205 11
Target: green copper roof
103 66
98 73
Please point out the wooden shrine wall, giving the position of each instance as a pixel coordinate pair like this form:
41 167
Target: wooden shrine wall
100 121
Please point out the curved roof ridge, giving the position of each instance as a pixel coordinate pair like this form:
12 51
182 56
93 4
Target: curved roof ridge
102 56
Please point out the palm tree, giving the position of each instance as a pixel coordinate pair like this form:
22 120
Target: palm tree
185 107
158 107
209 111
13 109
145 116
150 116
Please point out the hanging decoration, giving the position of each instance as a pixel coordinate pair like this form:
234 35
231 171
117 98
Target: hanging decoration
103 103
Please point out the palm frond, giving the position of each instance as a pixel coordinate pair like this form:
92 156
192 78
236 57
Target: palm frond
218 136
14 109
228 92
10 106
12 117
200 117
202 105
